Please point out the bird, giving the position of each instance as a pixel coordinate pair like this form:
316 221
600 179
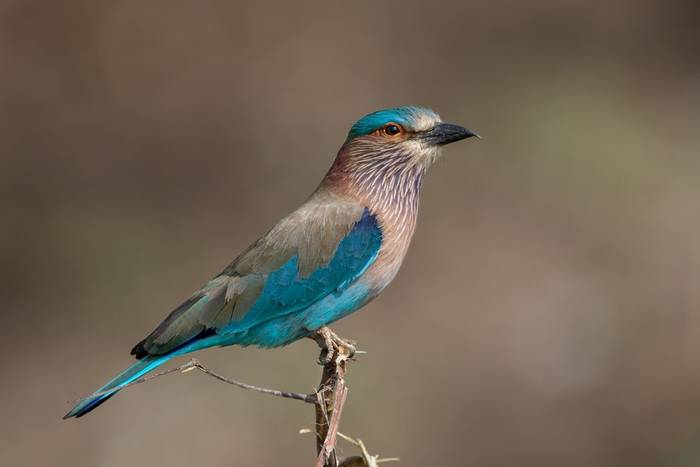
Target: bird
335 253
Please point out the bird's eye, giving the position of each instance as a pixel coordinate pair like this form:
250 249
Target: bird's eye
392 129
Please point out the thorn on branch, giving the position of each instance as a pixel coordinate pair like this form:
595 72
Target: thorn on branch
364 460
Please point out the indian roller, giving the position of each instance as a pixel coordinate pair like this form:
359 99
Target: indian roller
330 257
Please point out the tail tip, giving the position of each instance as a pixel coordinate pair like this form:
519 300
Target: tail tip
87 406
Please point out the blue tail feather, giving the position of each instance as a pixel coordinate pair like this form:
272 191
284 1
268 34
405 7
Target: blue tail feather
131 374
141 368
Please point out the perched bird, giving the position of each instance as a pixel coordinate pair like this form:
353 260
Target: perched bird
328 258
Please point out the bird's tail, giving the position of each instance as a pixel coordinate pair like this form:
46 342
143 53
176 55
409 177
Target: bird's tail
131 374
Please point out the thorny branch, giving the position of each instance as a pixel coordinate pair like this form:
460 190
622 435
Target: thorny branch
331 396
328 399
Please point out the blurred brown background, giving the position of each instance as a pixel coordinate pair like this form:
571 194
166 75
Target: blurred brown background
547 314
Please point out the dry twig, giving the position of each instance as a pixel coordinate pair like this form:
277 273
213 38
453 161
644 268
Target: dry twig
195 364
331 393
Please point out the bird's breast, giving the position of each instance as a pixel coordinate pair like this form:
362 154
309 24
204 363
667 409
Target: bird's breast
391 193
397 227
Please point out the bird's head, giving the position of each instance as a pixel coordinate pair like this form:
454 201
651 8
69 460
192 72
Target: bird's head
390 150
401 137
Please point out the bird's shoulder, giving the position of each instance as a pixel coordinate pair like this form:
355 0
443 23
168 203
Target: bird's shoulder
311 233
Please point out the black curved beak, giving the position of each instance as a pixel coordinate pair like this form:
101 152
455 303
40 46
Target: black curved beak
446 133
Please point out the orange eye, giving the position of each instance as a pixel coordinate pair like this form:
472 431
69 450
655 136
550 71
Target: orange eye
392 129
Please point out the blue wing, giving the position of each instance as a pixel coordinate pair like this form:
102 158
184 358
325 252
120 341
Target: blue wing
286 292
250 292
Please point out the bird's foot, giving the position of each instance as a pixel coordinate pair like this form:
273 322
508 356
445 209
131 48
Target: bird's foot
332 345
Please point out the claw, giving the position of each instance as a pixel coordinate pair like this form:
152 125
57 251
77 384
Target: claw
332 345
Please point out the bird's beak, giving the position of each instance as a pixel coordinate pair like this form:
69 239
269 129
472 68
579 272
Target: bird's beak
446 133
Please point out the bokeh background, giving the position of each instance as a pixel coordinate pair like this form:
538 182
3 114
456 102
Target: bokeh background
548 313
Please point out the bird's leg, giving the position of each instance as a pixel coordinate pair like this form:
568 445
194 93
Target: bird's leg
325 344
332 345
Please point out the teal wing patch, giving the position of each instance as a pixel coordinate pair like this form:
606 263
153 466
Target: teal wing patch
286 291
